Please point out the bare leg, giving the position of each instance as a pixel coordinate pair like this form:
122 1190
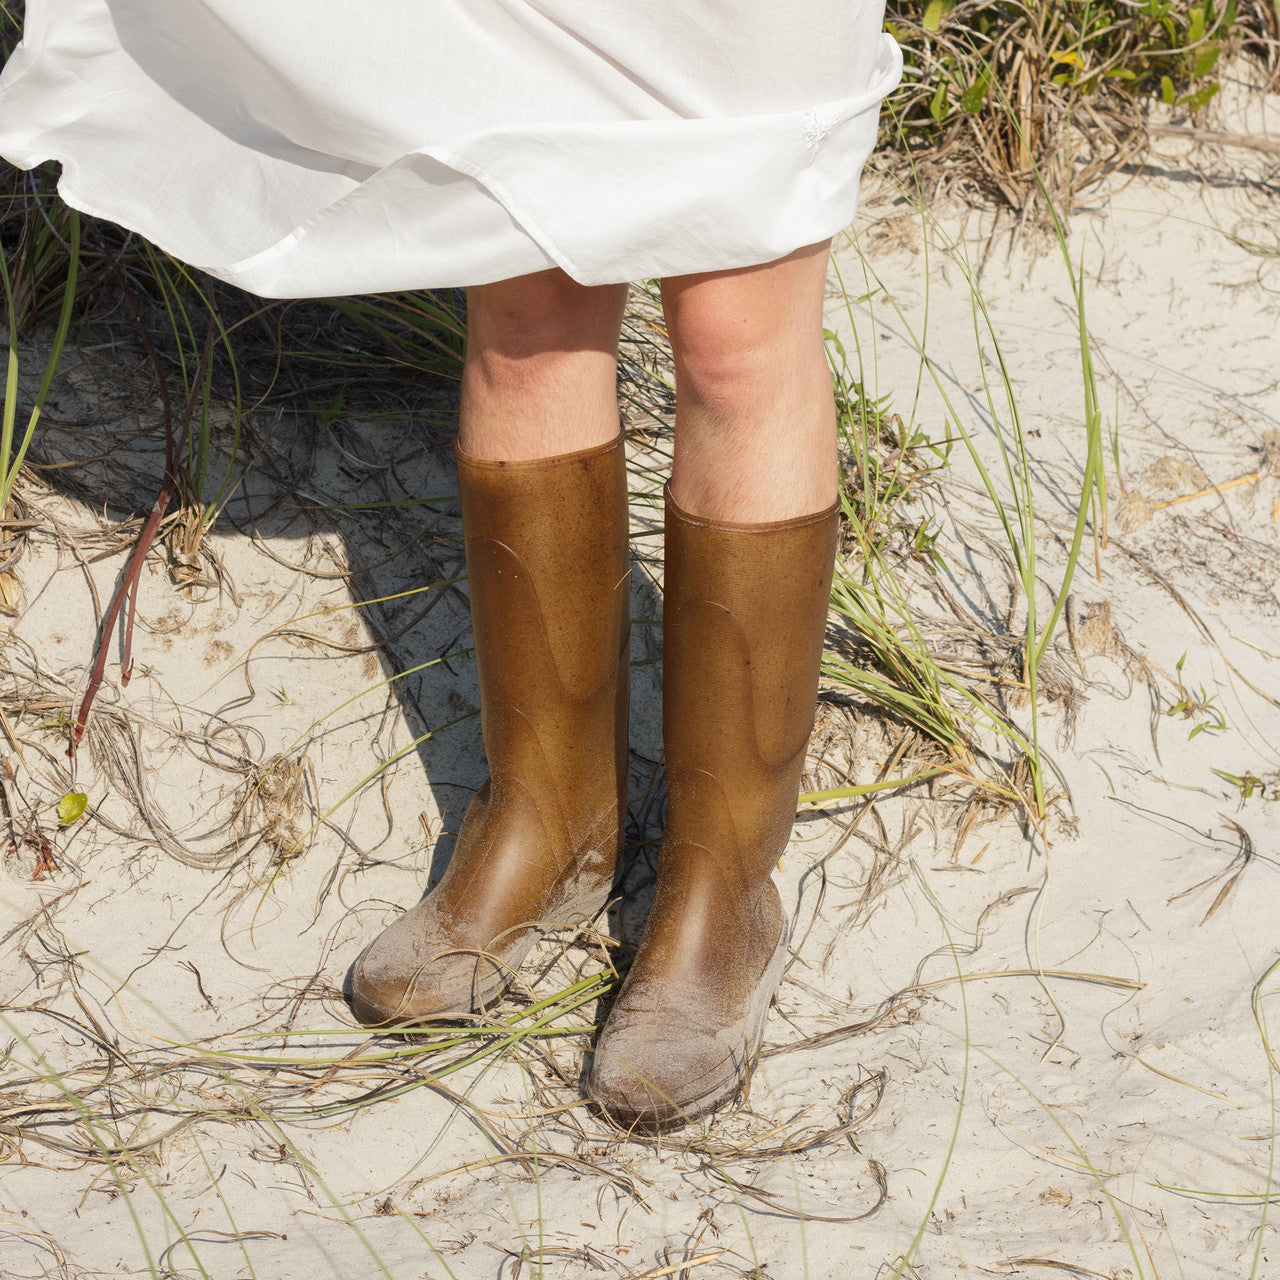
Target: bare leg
541 367
755 418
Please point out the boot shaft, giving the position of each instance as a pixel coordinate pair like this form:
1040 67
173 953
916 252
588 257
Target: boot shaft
744 618
549 577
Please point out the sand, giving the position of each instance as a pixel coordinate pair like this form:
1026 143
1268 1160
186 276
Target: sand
997 1051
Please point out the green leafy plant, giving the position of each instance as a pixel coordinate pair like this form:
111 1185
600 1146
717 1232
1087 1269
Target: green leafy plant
1249 784
1198 705
1007 87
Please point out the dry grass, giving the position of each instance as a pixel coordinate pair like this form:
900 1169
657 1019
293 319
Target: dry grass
1006 98
86 1090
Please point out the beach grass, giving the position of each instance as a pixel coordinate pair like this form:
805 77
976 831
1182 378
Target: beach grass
124 1099
1024 99
957 716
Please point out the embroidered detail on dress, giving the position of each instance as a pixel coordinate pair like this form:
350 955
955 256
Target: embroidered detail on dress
817 129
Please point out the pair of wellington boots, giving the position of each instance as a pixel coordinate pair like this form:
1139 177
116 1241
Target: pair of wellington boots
744 614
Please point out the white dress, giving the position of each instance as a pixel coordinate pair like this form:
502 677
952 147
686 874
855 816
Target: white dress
305 148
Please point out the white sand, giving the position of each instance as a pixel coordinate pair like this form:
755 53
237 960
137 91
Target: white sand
1094 1100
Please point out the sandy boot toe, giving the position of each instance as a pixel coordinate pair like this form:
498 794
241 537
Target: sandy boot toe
672 1056
414 972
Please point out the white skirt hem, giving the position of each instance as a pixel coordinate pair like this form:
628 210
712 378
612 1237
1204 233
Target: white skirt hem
608 201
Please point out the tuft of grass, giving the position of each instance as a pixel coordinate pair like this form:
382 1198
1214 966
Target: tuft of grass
1019 94
919 678
890 665
13 449
896 667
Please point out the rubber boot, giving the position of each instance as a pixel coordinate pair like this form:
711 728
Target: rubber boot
547 562
743 621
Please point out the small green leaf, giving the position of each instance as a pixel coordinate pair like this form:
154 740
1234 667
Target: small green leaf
1167 91
934 12
1194 101
939 103
976 94
1205 60
71 807
1195 31
325 417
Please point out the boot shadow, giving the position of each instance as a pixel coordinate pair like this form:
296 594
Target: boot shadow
352 471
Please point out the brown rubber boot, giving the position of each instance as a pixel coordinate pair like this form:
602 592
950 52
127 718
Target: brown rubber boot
743 620
546 545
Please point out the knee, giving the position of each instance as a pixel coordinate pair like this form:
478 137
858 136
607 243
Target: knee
728 364
749 337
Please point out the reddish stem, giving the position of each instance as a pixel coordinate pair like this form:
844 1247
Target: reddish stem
174 442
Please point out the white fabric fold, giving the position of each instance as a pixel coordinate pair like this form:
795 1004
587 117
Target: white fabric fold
305 148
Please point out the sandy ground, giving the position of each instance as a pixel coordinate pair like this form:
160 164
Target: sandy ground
1002 1054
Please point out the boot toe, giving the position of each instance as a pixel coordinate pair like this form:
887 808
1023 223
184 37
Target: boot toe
669 1054
656 1078
404 978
